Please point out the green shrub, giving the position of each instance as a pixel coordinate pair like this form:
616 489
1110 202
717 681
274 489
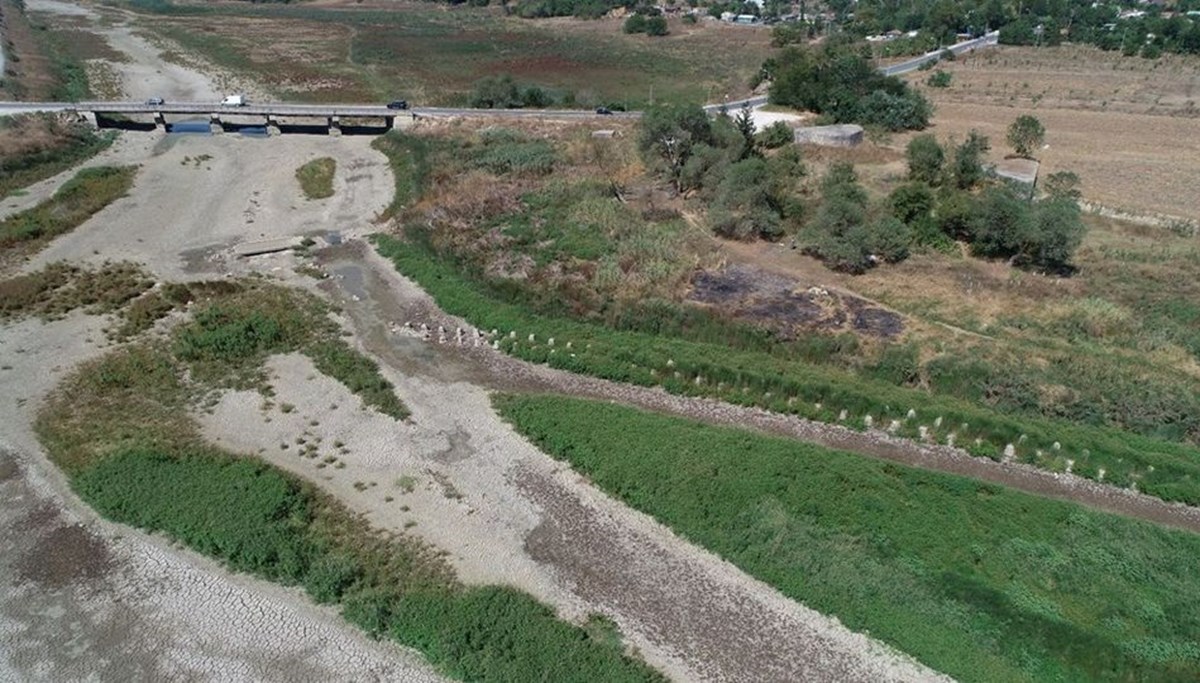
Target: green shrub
776 135
79 199
941 79
239 511
316 178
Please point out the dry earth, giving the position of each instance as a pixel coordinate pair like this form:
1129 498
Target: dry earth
83 599
1129 127
506 512
503 511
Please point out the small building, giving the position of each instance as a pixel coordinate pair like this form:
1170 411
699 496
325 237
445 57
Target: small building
842 135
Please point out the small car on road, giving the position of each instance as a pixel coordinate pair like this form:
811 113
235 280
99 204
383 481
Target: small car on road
155 101
604 111
398 104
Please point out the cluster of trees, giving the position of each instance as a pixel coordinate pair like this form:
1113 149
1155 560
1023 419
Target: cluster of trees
949 197
750 192
1031 22
646 20
503 92
754 186
838 81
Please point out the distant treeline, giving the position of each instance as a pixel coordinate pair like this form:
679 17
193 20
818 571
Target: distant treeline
1036 22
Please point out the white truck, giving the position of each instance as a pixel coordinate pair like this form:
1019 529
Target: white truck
234 101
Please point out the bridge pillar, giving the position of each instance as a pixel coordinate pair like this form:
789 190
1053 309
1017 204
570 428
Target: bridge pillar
214 124
160 121
389 122
90 117
335 125
272 124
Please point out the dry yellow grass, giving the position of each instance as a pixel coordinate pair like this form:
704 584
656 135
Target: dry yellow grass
1129 127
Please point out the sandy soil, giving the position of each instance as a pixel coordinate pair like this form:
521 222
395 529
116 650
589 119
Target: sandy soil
82 599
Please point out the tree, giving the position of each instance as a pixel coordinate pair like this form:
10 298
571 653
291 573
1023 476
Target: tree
744 205
1058 232
776 135
925 159
968 161
656 26
636 23
838 234
889 238
1063 184
1026 134
668 133
1002 225
744 122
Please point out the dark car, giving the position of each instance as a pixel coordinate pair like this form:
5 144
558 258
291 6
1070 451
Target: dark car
154 102
398 104
603 111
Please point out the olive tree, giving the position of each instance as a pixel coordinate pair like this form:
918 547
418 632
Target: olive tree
1026 134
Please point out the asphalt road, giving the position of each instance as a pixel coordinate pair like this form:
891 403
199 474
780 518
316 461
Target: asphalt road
282 109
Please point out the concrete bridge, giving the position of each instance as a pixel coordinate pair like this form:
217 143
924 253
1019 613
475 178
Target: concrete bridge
277 118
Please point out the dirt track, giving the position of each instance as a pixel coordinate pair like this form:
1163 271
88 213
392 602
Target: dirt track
506 373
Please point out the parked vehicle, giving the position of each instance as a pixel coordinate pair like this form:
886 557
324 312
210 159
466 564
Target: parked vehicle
604 111
398 104
234 101
155 101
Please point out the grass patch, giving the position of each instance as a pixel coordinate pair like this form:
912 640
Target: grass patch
316 178
59 288
36 147
408 156
975 580
120 429
753 377
83 196
232 334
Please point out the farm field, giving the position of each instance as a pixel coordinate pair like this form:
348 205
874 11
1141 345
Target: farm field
432 55
1129 127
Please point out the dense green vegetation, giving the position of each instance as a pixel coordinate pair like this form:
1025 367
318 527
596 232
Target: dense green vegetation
65 146
88 192
120 428
978 581
957 201
1158 29
316 178
838 82
258 520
